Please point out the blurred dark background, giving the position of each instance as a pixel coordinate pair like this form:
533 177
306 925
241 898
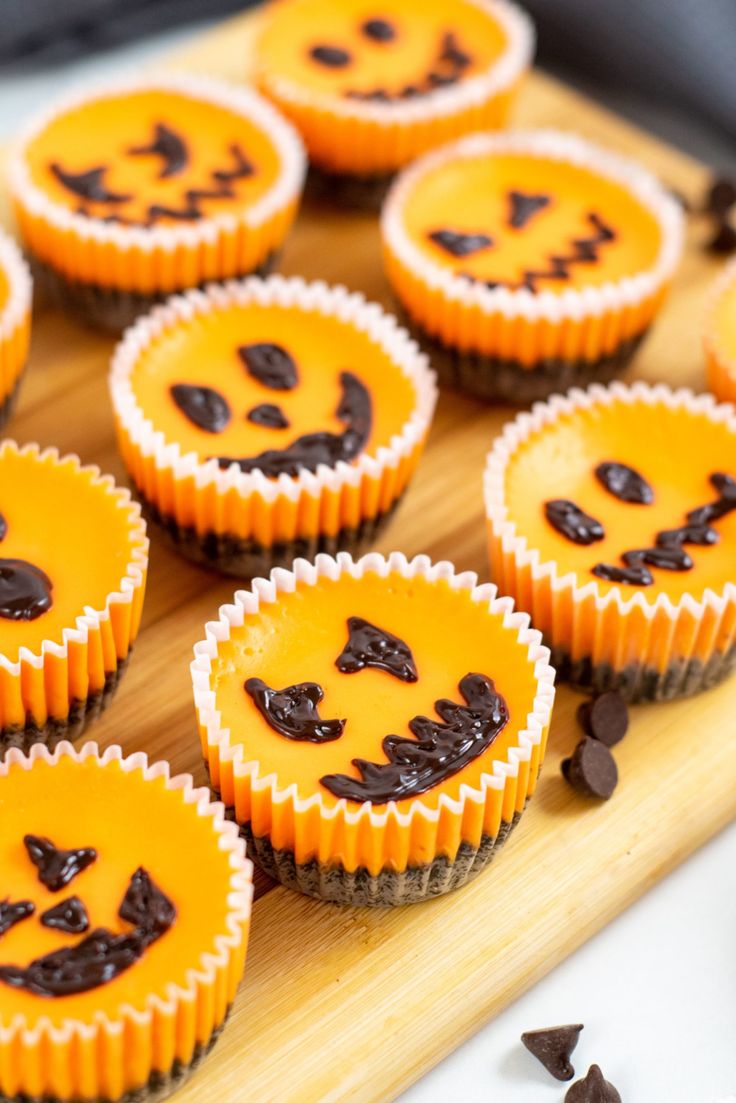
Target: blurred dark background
668 64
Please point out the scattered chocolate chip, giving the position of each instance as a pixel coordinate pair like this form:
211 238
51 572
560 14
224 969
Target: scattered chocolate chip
631 576
334 57
10 914
592 1089
56 868
204 406
292 711
25 590
723 239
523 207
625 483
69 916
168 145
667 558
270 364
380 30
721 195
459 244
375 647
269 415
553 1047
570 521
687 534
591 770
3 527
605 718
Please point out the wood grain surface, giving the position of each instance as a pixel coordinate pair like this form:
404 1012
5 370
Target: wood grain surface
353 1005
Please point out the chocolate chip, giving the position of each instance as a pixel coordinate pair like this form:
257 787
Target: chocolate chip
553 1046
724 238
10 914
203 406
380 30
630 576
591 770
624 483
605 718
721 195
69 916
570 521
56 867
334 57
270 415
459 244
270 364
593 1088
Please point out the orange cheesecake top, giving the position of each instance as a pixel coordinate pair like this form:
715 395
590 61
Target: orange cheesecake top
522 220
630 495
78 840
152 156
373 51
374 689
279 389
66 543
4 289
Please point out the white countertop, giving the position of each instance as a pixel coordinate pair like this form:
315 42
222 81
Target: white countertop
656 989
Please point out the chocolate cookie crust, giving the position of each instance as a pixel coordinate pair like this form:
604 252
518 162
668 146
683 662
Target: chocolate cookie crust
9 402
637 683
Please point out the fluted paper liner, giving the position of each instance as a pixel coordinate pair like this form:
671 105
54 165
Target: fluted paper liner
360 138
161 258
585 324
248 505
649 648
45 684
721 366
15 319
104 1057
350 836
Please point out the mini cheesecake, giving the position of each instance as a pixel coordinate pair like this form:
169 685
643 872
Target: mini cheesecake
134 190
123 925
720 336
612 521
529 261
73 561
376 726
15 323
270 419
371 87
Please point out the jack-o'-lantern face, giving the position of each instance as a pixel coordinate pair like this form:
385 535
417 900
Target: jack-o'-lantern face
373 690
273 389
518 221
363 51
152 157
628 498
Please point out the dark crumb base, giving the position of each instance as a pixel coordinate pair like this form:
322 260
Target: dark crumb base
637 683
361 192
109 309
9 402
361 889
509 381
160 1084
81 715
248 559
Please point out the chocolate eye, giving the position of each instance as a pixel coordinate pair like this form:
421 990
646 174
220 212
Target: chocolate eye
168 145
459 244
270 364
204 406
380 30
25 590
523 207
625 483
334 57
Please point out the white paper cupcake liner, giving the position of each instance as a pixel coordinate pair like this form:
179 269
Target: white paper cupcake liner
15 318
91 1055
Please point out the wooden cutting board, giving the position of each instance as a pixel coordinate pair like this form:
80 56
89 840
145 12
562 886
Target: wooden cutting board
354 1005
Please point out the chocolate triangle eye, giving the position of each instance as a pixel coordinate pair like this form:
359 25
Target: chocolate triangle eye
292 711
56 868
10 914
523 206
270 364
145 905
459 244
371 646
88 185
25 590
168 145
69 916
204 406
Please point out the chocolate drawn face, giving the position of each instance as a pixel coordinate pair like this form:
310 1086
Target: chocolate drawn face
152 157
102 954
25 590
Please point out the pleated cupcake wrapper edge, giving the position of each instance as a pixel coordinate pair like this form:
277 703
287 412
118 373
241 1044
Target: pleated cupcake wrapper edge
581 621
721 366
362 836
43 684
162 258
198 494
586 323
168 1027
362 138
15 316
